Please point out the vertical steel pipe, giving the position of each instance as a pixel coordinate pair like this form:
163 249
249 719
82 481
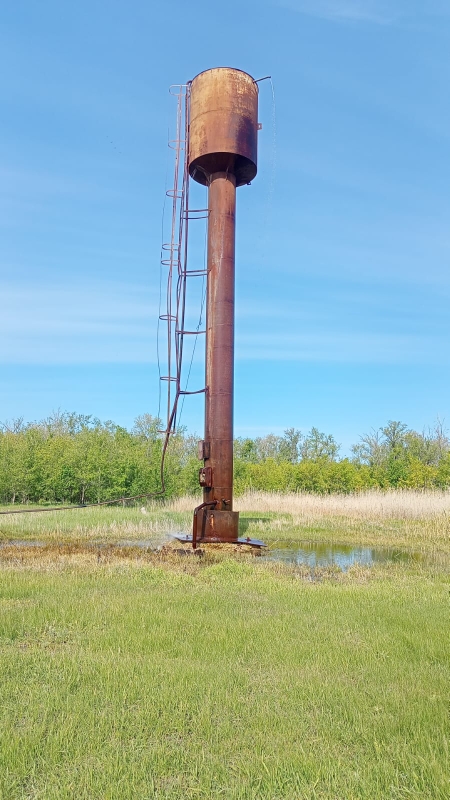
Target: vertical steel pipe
220 338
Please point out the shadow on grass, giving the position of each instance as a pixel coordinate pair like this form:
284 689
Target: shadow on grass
245 522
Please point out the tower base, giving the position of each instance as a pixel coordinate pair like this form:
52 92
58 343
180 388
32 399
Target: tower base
216 527
187 538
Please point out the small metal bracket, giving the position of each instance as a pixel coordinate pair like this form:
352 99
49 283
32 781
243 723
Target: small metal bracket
259 126
204 450
205 477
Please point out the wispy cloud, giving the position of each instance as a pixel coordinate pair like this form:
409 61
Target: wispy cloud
372 12
77 324
115 322
369 11
344 347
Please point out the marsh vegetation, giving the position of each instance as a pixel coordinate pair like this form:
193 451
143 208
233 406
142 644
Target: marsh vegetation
130 672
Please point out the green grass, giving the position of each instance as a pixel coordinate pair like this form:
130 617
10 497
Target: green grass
222 680
129 675
111 524
106 524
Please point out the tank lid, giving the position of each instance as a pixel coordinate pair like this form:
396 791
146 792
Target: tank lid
233 69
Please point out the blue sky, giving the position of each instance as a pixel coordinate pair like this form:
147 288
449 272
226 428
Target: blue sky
343 239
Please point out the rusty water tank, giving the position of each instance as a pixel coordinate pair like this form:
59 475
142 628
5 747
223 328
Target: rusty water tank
223 129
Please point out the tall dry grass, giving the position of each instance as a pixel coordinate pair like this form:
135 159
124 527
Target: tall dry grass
374 504
394 518
397 518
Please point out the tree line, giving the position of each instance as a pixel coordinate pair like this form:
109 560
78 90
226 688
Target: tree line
75 458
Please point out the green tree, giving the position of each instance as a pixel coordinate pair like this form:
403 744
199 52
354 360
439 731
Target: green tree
316 446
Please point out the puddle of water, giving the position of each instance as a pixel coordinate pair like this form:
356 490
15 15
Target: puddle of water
318 554
310 554
22 543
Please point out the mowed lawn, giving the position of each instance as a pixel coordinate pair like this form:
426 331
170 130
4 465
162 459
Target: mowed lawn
233 679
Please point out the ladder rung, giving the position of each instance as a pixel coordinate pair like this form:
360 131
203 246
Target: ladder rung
177 144
190 333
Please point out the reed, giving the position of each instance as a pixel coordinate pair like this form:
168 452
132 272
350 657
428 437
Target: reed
397 518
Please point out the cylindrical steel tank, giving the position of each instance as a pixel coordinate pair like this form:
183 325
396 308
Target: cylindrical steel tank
223 125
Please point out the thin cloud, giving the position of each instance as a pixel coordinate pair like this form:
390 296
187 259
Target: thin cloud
344 10
371 12
337 347
116 324
77 324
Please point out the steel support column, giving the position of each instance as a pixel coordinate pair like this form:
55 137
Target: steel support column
220 351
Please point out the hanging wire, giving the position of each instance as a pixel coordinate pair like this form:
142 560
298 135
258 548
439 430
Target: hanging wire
270 190
158 358
274 142
185 215
193 350
171 252
199 324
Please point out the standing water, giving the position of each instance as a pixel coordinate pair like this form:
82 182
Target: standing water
318 554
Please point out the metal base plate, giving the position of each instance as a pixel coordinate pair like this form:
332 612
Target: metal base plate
187 537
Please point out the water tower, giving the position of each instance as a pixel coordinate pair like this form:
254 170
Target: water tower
221 153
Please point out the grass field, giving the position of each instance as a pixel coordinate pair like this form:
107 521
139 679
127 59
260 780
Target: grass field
168 676
419 520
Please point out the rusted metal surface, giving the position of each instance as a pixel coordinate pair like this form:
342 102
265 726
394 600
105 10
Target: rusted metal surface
198 514
204 450
213 526
205 477
216 526
188 538
220 343
223 125
222 526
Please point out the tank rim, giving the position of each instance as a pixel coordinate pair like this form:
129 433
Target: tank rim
235 69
